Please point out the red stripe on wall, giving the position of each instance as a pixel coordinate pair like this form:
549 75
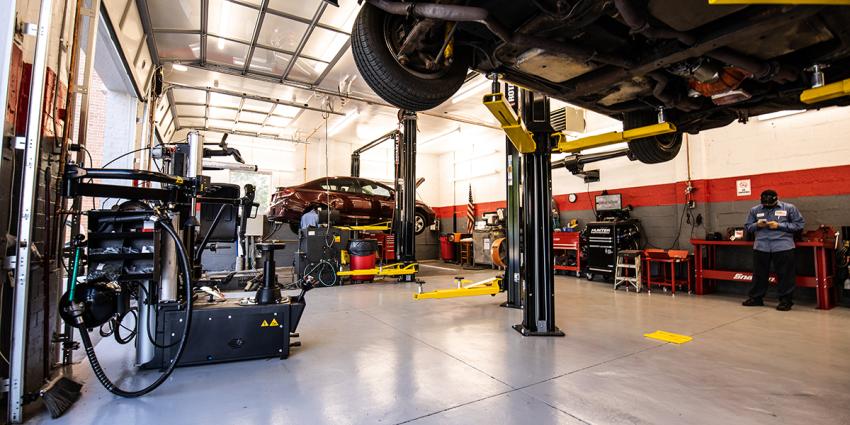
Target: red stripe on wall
825 181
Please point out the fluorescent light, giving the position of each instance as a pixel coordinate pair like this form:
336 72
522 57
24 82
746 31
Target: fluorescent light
779 114
342 123
179 67
475 176
469 90
423 143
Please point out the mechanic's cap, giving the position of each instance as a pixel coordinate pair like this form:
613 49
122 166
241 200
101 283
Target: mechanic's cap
769 197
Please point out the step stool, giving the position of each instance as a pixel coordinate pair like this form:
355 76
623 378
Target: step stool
628 260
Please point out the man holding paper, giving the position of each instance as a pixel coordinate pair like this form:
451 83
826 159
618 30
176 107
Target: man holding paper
774 223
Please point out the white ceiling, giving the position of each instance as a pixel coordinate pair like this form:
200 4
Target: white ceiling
241 78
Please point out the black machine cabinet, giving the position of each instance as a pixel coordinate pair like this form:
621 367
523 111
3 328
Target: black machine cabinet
227 331
602 240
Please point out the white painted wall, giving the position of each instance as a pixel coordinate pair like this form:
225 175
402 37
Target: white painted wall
808 140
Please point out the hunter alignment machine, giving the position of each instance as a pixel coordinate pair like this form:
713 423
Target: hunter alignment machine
138 260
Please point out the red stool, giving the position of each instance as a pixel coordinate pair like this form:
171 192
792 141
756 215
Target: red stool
672 257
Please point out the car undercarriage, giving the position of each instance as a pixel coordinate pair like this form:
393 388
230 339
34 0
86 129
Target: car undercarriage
703 65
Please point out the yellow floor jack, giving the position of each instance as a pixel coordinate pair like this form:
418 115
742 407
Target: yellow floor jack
465 288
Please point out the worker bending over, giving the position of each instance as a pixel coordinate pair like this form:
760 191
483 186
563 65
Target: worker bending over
774 223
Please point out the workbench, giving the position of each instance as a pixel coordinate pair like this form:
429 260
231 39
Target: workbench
707 268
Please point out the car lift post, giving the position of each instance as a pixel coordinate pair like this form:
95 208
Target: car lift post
538 274
405 192
513 231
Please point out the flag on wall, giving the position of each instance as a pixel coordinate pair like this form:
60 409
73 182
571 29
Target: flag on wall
470 213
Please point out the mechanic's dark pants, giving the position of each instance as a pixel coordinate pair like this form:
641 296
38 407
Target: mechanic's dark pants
783 265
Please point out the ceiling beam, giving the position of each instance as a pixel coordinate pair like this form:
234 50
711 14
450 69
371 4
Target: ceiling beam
254 97
327 92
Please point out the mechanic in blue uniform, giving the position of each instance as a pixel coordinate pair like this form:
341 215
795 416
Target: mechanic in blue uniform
774 223
310 219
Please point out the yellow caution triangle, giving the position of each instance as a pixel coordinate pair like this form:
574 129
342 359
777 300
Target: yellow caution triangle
274 323
265 324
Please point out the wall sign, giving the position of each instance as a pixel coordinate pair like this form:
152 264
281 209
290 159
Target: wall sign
744 187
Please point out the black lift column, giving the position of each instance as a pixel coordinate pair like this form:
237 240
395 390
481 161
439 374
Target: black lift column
538 275
405 196
513 228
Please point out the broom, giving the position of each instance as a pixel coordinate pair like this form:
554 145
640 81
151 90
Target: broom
59 394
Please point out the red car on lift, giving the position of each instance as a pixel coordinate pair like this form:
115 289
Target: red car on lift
358 200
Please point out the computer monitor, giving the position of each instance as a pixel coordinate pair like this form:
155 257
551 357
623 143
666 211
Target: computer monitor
609 202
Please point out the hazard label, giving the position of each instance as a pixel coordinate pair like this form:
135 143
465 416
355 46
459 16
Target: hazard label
274 323
265 324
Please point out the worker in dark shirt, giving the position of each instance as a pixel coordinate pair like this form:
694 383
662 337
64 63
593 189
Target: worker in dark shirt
774 223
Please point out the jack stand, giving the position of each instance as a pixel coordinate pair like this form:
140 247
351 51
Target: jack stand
269 293
538 274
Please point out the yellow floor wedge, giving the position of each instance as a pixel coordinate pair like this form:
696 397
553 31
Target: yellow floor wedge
827 92
485 287
669 337
514 129
578 145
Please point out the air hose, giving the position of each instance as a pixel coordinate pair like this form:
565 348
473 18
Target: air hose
95 364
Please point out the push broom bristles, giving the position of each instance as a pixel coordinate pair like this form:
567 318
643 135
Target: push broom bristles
59 395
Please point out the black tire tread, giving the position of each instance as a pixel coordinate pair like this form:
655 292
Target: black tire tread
646 150
386 77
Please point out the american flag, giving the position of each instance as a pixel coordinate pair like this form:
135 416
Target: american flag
470 213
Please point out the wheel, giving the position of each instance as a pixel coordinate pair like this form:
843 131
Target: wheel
295 227
588 275
655 149
416 82
419 221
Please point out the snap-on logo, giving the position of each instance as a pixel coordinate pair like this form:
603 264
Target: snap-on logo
749 277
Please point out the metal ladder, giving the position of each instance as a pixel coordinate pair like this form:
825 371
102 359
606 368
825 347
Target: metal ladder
622 276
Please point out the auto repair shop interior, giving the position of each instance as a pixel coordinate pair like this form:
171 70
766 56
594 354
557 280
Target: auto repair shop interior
441 211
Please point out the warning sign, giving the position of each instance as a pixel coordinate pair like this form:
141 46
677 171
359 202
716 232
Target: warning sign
274 323
265 324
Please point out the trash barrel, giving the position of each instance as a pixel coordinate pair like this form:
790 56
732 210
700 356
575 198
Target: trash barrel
447 249
362 254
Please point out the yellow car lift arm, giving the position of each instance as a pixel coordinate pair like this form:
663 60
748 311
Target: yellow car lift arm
396 269
490 286
827 92
802 2
510 123
578 145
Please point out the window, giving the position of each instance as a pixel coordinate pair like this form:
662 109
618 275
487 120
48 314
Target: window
340 185
262 184
375 190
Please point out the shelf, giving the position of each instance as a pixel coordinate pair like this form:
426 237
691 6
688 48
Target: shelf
121 235
120 257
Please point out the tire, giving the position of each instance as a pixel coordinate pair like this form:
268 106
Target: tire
420 222
388 78
295 227
651 150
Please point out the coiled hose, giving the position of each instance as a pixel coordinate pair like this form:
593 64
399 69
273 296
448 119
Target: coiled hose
187 279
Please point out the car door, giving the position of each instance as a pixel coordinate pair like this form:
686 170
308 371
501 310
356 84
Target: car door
358 205
382 199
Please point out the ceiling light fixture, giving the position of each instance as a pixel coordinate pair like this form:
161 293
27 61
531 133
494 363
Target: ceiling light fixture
779 114
469 90
423 143
343 122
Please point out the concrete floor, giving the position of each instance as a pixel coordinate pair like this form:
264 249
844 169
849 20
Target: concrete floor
371 354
